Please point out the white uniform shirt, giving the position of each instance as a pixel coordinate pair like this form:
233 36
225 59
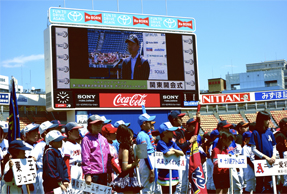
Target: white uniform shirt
4 148
38 152
248 172
28 152
73 151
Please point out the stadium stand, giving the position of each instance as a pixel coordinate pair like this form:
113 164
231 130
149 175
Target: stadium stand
184 120
232 118
39 120
251 117
114 41
24 121
93 36
278 115
208 122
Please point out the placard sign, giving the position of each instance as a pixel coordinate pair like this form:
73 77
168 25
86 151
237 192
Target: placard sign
24 171
92 188
171 162
233 161
60 191
262 168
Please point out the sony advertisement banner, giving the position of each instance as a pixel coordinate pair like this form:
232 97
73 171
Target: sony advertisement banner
116 19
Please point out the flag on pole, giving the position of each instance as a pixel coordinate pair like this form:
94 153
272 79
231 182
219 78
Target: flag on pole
196 175
14 120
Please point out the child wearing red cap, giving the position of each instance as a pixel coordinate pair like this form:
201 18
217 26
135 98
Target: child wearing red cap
110 133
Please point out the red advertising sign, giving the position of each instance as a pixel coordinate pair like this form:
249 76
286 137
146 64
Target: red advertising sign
184 24
225 98
61 105
129 100
140 21
97 18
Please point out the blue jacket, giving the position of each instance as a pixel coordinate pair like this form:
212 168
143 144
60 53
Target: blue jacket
54 169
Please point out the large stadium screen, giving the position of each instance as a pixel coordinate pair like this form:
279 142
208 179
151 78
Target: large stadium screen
119 68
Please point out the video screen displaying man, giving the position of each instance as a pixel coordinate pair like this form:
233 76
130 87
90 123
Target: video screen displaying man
135 67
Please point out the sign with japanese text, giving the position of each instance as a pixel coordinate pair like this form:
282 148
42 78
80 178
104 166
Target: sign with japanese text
262 168
116 19
24 171
171 162
92 188
225 98
271 95
233 161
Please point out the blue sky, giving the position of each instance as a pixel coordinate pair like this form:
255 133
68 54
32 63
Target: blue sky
230 33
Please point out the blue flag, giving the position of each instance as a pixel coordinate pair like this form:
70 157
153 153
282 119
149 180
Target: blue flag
14 120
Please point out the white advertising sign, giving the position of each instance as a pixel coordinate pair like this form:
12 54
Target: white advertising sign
262 168
60 191
171 162
233 161
24 171
154 47
92 188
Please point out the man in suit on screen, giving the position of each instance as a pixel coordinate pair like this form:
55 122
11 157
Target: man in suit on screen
135 67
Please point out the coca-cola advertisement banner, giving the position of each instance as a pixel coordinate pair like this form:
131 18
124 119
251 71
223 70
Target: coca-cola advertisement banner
129 100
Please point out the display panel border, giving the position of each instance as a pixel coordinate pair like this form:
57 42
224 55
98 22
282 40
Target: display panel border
49 68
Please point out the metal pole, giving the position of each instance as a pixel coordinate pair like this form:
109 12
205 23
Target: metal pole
166 7
118 5
274 184
231 181
64 4
142 5
93 4
170 181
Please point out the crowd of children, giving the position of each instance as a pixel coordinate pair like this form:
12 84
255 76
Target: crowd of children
104 154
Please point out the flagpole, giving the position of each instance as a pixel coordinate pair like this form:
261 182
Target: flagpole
170 181
274 184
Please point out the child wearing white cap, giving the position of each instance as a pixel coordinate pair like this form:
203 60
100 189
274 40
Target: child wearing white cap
3 142
38 151
4 145
30 133
55 172
146 169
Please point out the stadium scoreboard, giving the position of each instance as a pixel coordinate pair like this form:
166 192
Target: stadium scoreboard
85 52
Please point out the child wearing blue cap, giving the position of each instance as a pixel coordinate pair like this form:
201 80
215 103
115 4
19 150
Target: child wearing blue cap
168 147
17 149
249 176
